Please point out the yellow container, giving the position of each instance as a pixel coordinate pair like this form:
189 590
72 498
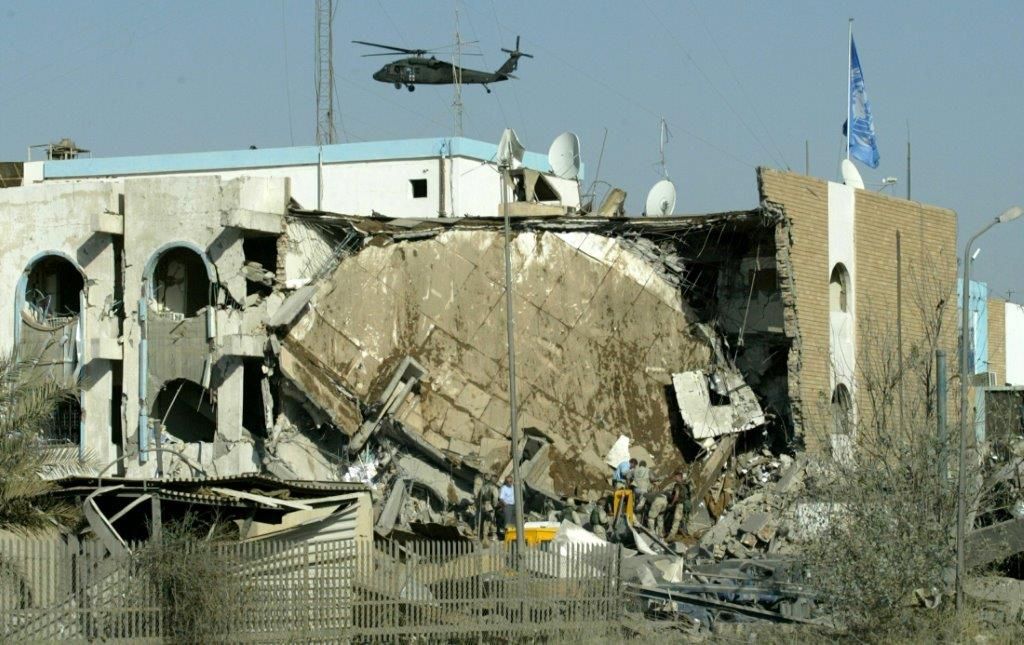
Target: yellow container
534 533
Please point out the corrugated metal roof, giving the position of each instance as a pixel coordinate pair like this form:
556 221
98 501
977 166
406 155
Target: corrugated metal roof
241 482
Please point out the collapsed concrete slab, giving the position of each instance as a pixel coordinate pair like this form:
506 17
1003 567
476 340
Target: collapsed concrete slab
715 404
600 329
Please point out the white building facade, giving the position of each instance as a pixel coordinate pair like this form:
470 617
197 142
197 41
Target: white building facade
147 282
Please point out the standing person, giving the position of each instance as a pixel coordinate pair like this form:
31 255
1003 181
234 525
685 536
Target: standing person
507 497
623 474
641 486
655 514
489 501
680 499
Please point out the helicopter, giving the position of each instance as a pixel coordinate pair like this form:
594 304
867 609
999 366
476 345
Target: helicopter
430 71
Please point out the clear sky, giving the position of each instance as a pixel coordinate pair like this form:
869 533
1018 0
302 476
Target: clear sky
740 84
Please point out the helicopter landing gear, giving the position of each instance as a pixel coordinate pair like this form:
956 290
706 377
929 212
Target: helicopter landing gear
486 88
398 86
412 88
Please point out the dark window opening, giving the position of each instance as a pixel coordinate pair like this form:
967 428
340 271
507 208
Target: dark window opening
544 191
65 423
419 188
842 409
254 408
838 289
117 309
180 283
185 411
765 280
116 401
718 393
261 264
53 290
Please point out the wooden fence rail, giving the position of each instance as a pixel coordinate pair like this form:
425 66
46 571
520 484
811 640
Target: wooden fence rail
338 591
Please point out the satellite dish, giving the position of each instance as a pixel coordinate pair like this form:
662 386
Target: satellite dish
510 151
851 177
661 200
564 156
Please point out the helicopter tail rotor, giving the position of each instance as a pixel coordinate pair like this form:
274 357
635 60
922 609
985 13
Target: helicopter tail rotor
513 58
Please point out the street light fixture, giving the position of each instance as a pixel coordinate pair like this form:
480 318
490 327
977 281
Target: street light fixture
966 371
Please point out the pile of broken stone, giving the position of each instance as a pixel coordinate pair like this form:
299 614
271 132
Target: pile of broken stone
758 517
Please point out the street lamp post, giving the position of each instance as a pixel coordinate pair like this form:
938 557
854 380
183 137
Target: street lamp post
517 480
966 371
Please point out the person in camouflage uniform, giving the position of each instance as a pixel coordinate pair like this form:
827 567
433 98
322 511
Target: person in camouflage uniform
680 499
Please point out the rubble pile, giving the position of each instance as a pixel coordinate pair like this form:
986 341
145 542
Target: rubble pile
758 516
398 351
702 596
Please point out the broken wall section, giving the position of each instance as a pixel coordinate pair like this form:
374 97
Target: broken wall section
600 333
58 289
192 319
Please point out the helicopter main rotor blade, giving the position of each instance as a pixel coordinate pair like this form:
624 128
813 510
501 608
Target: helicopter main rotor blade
401 50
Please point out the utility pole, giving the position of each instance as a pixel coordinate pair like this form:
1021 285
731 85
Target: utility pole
326 132
457 77
505 158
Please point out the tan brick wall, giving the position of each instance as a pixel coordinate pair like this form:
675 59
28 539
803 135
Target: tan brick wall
997 338
928 249
805 200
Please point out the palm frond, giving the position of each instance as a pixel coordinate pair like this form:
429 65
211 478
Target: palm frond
29 398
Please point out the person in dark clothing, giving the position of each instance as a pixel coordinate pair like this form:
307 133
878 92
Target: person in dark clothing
680 499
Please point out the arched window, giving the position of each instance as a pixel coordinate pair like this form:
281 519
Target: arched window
839 289
53 290
842 410
181 284
64 424
185 409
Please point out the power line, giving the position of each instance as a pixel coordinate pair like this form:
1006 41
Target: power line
735 77
50 82
633 102
404 41
287 76
402 106
515 93
710 82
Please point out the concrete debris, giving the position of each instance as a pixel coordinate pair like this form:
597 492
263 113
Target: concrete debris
438 303
121 511
1001 599
619 452
375 352
728 592
754 504
717 403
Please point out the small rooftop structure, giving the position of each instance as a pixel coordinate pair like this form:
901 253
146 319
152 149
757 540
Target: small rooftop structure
421 178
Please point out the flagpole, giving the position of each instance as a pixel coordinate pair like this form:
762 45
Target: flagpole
849 97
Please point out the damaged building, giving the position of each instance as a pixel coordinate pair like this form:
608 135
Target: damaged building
338 314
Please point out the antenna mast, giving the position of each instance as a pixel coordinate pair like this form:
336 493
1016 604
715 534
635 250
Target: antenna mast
664 138
457 76
326 133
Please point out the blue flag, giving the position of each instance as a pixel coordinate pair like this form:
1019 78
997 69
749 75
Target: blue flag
862 140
